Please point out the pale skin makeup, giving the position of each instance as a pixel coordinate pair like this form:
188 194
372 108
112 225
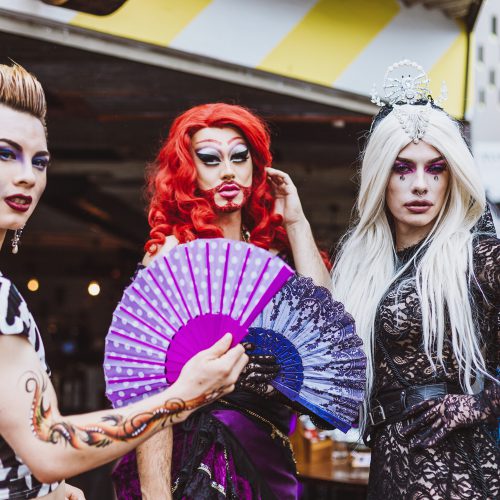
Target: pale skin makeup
224 167
24 160
55 446
416 192
221 155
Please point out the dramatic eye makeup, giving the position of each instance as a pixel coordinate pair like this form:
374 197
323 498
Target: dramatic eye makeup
433 167
403 167
41 162
13 151
6 154
239 153
209 156
436 167
213 157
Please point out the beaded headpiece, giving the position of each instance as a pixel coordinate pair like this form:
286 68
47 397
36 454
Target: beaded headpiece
406 82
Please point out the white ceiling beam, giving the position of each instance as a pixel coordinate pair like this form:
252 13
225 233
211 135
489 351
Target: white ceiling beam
79 38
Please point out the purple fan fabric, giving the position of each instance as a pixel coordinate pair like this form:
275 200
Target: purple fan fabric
181 304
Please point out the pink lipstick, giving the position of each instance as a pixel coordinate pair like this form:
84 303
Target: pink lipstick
19 202
229 191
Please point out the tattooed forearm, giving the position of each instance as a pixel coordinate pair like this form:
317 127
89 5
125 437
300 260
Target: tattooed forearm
114 427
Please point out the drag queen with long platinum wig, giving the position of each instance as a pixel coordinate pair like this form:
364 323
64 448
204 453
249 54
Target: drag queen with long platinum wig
420 273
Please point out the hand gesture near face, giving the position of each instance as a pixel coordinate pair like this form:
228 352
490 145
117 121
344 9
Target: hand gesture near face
287 198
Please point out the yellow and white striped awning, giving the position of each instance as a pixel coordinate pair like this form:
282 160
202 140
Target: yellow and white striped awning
338 44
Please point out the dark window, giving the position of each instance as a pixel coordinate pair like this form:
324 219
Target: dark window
494 25
482 96
480 53
492 78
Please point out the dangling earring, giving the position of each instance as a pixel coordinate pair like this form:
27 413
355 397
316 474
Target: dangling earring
401 177
15 239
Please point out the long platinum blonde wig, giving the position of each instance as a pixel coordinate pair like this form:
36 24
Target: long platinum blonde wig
365 265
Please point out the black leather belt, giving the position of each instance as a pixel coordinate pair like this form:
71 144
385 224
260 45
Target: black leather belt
388 407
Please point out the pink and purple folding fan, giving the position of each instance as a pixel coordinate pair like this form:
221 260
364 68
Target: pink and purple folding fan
181 304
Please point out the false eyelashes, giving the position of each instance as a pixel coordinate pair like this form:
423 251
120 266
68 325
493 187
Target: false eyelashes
212 156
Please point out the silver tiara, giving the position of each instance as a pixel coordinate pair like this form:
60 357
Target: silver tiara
406 82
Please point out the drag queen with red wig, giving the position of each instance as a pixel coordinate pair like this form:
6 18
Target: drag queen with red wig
213 178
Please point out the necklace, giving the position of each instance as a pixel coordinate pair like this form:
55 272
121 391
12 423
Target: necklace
275 432
245 234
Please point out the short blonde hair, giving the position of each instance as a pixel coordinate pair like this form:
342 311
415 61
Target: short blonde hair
21 91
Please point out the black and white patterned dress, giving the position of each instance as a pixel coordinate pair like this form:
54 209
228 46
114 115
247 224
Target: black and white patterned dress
16 480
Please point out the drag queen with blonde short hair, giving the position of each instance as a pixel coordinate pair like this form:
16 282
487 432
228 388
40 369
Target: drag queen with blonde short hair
38 446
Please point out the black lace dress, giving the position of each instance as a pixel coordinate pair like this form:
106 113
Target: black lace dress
466 465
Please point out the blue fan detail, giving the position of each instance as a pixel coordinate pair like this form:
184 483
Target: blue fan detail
314 341
291 374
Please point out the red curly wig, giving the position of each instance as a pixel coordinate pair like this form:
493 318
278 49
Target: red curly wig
176 209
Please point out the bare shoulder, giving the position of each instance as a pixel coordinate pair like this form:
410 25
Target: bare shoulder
170 242
13 344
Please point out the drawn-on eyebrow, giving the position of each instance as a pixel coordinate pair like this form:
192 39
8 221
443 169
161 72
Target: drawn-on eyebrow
434 160
15 145
407 160
207 140
235 138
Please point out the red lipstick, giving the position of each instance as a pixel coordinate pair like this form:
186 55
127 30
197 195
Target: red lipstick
19 202
418 206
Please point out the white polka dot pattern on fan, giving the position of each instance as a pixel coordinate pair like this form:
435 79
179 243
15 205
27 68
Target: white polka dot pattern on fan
173 291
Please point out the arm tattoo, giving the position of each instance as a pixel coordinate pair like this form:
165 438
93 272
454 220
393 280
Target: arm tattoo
112 428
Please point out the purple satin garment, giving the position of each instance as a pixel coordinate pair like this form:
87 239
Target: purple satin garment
266 453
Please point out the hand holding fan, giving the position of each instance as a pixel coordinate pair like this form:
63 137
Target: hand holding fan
181 304
315 343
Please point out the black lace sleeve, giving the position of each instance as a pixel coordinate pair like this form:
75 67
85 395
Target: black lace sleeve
490 397
487 267
487 271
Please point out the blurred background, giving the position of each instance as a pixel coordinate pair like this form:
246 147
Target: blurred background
117 72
